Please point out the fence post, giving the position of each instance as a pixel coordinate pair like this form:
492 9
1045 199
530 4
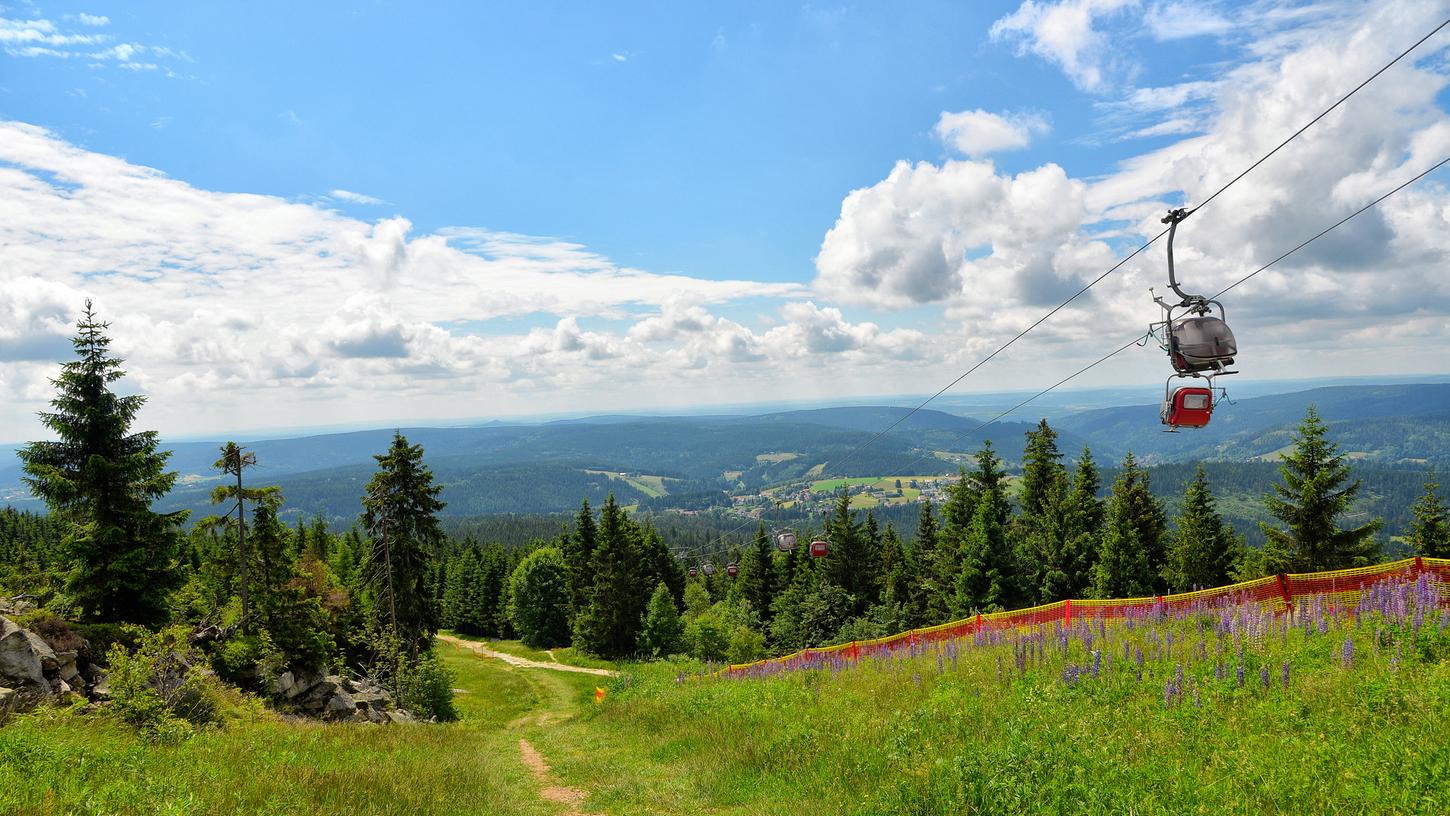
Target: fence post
1419 565
979 623
1288 599
1067 612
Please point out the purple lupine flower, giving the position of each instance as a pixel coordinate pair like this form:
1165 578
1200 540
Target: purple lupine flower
1168 694
1286 674
1196 703
1138 675
1346 653
1097 663
1264 677
916 678
1241 673
1127 656
1218 670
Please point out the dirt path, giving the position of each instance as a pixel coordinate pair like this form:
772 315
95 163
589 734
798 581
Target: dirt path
521 662
571 799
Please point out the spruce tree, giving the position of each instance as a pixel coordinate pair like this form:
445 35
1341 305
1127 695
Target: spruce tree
1316 489
757 575
1150 522
1430 530
923 556
578 552
896 571
1122 569
1204 551
1041 468
608 625
984 583
940 574
1084 520
400 507
846 562
100 480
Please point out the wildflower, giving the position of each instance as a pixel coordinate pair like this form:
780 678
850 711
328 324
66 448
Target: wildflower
1168 694
1241 673
1097 663
1346 653
1286 674
1264 677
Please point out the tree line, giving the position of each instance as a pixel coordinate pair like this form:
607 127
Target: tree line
269 597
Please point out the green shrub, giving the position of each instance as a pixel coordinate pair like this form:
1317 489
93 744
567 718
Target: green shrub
426 689
746 646
159 687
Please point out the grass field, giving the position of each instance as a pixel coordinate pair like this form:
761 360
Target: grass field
969 729
652 486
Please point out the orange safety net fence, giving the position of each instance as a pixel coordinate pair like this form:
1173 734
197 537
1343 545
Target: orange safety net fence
1338 589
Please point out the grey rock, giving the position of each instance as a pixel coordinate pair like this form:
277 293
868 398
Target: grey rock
8 699
19 661
102 688
372 700
70 674
401 716
48 661
378 716
283 686
340 706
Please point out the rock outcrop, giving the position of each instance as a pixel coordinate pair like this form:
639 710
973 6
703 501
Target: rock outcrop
339 699
34 672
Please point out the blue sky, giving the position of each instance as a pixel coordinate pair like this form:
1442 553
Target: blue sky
679 177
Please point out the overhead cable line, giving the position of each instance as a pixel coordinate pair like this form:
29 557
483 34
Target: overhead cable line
1296 134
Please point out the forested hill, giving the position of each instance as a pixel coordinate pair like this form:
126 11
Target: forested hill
692 462
1389 424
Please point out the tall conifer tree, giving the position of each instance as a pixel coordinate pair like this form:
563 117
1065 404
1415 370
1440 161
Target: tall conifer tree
100 479
400 512
1204 550
1315 491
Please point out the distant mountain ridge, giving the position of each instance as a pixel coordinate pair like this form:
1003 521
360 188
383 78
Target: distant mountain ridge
548 467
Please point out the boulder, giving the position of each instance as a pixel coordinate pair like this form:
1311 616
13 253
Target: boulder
8 699
318 694
48 659
340 706
283 686
400 716
20 663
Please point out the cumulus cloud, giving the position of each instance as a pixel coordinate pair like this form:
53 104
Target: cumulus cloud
929 233
976 133
1064 33
214 296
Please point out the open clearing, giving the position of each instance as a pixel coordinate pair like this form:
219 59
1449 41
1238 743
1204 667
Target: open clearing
922 735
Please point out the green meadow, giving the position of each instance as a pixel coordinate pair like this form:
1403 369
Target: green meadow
1018 726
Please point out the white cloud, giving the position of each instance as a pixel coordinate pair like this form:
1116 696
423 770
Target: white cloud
995 249
355 198
1064 33
277 312
977 133
39 37
1182 20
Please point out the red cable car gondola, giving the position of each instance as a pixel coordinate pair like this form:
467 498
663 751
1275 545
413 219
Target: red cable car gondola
732 569
819 548
691 572
1187 406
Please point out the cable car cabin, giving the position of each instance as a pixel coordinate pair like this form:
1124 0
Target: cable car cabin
708 568
1188 407
785 542
1201 343
692 572
732 569
819 548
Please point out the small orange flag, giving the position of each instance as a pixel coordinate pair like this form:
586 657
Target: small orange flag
598 695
